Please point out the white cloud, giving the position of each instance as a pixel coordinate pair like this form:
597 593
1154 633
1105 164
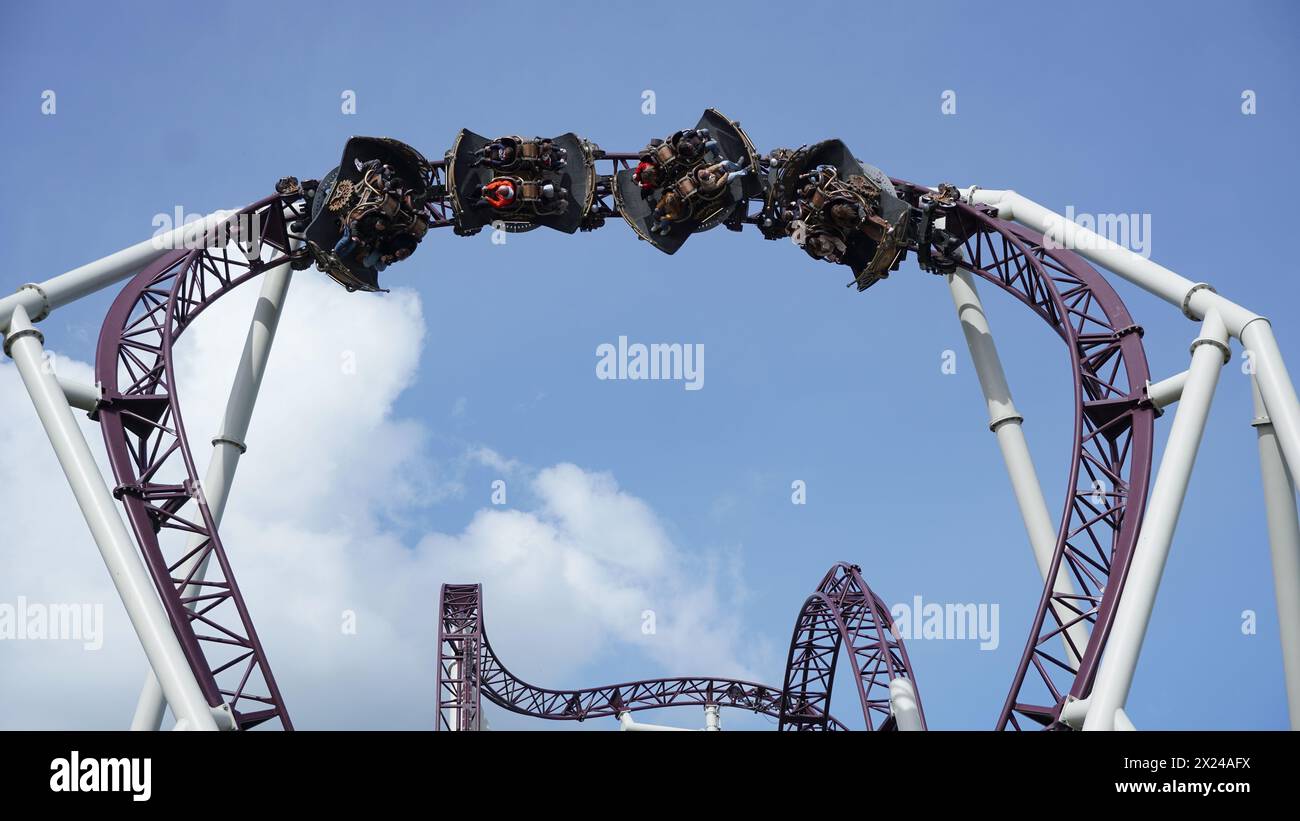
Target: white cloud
332 481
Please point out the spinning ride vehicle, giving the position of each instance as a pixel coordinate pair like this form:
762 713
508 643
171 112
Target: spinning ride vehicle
692 181
520 184
838 210
369 212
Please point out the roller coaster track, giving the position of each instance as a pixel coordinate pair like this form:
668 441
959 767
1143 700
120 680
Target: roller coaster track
468 669
153 464
1105 492
842 611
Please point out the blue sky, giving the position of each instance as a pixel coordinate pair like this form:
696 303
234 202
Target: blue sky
1116 107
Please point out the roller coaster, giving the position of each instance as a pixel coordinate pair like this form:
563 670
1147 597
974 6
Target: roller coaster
1100 559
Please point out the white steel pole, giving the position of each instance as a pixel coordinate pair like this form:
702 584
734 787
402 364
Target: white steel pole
628 724
1006 423
902 702
25 344
1284 543
81 395
1166 392
712 717
228 446
1196 299
38 299
1275 388
1115 677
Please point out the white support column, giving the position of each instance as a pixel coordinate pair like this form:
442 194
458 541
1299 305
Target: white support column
902 702
1196 299
81 395
1122 722
1275 388
1284 543
25 344
628 724
712 717
1115 677
1006 423
228 446
1167 391
38 299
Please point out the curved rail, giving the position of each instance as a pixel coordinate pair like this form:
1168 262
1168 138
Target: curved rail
468 669
843 611
159 486
1112 450
157 480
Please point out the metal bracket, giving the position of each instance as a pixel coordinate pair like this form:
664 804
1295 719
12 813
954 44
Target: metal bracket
16 335
1002 420
45 301
1224 349
226 440
1187 297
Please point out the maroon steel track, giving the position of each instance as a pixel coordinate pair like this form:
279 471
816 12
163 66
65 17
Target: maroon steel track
1111 462
843 612
157 480
468 670
1105 494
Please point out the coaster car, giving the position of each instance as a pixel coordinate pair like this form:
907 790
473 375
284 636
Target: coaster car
520 183
369 211
838 210
690 182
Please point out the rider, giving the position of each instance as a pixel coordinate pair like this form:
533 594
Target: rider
496 154
714 177
646 175
500 192
553 198
671 208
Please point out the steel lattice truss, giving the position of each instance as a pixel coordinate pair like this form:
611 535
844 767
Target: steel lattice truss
157 480
842 613
469 670
1111 463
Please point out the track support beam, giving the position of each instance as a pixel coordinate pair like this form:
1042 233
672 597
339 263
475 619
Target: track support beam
1284 543
25 344
1164 393
227 447
39 299
902 703
1006 422
1196 299
1115 676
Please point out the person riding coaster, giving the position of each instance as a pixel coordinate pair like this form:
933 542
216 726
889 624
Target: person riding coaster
693 193
670 209
509 153
552 182
677 156
842 211
507 193
378 217
693 180
647 175
712 179
693 143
